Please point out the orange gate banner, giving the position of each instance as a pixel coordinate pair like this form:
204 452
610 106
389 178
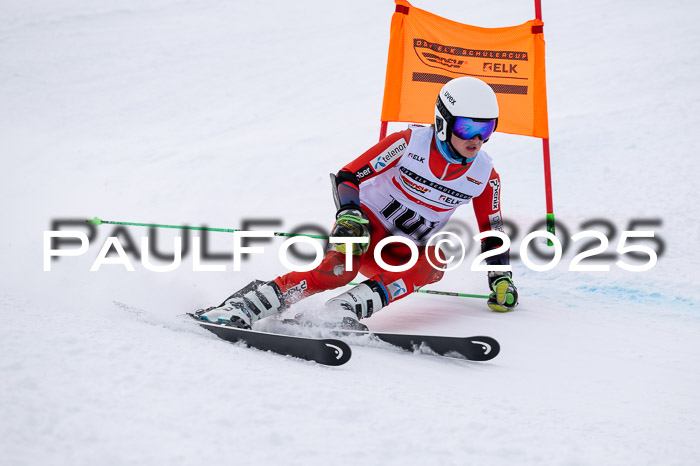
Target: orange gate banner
426 51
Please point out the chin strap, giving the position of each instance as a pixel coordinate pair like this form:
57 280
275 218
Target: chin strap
449 154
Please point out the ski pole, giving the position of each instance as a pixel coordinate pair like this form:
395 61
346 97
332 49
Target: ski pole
99 221
445 293
451 293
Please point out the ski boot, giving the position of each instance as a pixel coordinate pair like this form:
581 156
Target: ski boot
504 296
345 311
255 301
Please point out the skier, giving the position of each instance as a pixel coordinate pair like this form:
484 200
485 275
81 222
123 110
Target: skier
408 185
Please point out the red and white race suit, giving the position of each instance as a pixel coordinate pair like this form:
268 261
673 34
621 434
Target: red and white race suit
408 189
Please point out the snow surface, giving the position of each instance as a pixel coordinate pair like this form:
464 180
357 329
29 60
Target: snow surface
217 112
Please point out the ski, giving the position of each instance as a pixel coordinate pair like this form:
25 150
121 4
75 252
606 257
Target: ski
330 352
477 348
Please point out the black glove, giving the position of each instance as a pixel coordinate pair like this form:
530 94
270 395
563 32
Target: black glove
504 296
351 223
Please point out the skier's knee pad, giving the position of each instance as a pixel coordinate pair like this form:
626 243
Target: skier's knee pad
428 269
335 273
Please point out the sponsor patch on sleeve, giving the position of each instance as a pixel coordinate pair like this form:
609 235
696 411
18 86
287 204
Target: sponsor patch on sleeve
394 151
496 222
364 171
495 203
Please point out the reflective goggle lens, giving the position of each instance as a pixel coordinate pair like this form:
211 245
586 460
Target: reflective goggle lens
466 128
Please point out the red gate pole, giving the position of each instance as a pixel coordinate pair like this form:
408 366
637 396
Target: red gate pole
382 130
545 157
548 187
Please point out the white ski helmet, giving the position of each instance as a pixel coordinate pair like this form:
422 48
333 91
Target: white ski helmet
465 97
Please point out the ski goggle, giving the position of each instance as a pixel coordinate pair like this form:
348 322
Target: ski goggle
467 128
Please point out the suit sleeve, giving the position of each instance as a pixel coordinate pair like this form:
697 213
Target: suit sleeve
385 154
487 208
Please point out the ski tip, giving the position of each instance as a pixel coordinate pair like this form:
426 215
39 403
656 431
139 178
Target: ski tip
341 351
485 348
